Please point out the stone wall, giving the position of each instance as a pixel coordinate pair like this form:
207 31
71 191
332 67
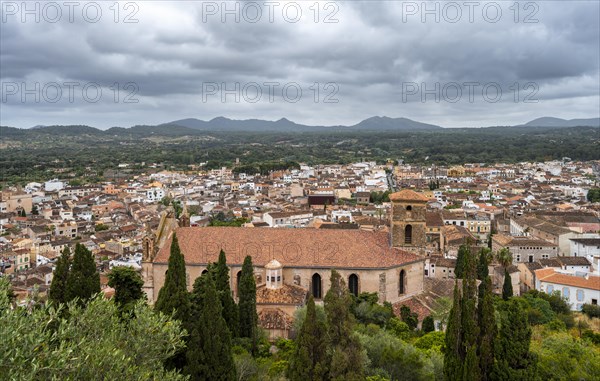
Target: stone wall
383 281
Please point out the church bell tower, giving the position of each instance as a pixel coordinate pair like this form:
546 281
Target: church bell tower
408 225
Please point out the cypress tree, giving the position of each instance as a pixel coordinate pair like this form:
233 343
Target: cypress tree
487 329
471 371
128 287
453 356
461 361
514 361
482 264
83 281
463 252
230 309
344 356
507 288
58 287
208 354
173 297
247 302
469 291
194 356
311 346
469 326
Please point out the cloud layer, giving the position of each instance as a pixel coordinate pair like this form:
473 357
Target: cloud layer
448 63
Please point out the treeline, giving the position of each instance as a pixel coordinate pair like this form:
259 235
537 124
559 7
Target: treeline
34 156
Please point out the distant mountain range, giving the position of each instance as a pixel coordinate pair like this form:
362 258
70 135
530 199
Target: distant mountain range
379 123
376 123
557 122
194 126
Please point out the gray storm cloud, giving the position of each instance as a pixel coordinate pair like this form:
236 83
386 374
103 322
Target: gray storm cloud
350 60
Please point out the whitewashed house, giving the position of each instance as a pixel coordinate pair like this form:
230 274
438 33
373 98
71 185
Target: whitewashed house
577 289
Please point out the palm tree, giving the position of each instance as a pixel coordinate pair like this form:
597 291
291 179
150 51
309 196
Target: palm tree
504 257
379 213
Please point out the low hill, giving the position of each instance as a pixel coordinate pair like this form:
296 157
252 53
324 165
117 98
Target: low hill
558 122
375 123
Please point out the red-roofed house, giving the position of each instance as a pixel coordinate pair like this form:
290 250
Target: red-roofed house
576 289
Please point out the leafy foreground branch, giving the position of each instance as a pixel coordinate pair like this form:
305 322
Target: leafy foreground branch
85 343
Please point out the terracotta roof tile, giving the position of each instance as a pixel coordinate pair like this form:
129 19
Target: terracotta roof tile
274 318
590 282
506 240
408 195
415 305
543 273
434 219
313 248
574 261
287 294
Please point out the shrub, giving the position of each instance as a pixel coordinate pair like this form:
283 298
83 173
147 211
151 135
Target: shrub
431 340
399 328
557 302
539 310
428 324
557 325
591 310
568 319
591 336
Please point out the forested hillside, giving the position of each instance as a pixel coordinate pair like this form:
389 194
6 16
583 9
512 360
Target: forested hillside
33 154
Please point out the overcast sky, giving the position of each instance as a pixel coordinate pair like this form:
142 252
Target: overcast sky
180 59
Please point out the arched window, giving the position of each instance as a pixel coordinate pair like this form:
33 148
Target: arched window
402 283
409 207
204 271
316 286
353 284
408 234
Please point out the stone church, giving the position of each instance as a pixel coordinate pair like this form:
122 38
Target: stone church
291 263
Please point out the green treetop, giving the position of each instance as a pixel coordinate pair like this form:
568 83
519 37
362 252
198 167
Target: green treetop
344 355
311 346
127 283
247 302
208 354
461 360
230 309
453 355
514 361
488 330
58 287
464 251
83 281
173 297
482 264
507 288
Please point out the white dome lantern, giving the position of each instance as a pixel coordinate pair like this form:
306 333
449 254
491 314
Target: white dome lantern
274 274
